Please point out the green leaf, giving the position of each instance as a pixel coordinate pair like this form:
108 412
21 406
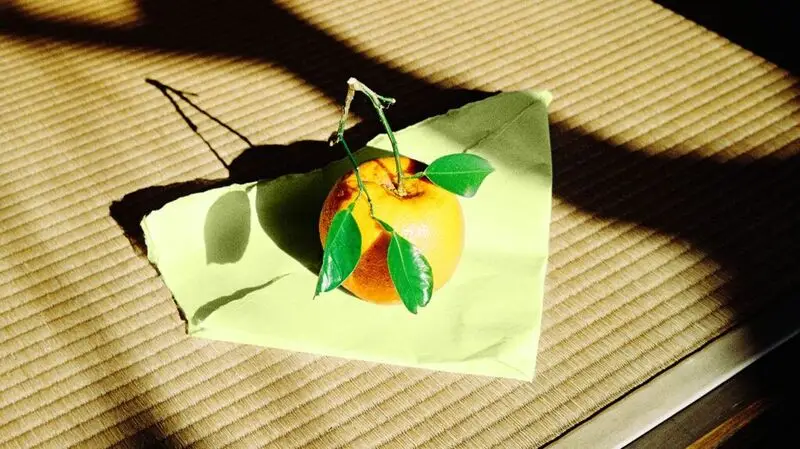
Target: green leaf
342 251
411 273
460 173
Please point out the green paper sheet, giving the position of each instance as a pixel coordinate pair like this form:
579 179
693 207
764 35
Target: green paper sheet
242 261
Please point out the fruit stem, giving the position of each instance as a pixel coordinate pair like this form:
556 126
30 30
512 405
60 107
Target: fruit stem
340 138
378 102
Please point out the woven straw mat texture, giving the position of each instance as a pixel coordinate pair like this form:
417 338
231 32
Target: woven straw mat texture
674 205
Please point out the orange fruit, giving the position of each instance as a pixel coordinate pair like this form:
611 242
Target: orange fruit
427 215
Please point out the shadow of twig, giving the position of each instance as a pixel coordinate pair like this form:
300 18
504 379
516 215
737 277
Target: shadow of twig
262 162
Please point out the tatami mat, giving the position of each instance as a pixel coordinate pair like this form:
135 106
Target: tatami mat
674 217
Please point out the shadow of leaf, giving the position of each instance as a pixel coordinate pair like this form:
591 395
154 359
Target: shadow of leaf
227 228
212 306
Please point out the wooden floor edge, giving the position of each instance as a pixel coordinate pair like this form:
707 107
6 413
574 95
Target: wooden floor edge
685 382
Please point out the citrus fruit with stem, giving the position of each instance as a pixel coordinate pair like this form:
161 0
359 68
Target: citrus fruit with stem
425 214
